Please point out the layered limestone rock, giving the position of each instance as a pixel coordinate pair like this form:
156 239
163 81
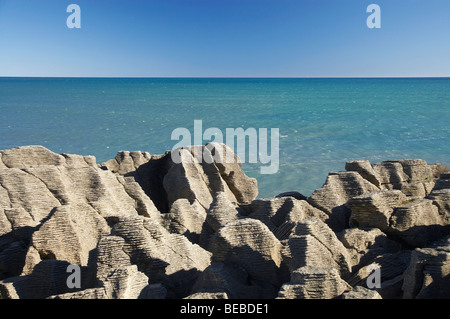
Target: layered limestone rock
126 162
249 244
282 214
415 221
428 274
49 277
390 267
222 211
316 245
337 190
375 209
148 226
170 259
365 244
441 199
230 279
186 219
192 173
314 283
36 155
414 177
360 292
57 207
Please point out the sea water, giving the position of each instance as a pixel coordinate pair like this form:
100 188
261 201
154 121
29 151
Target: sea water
322 122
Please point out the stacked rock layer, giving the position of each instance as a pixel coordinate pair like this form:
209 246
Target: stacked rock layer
151 227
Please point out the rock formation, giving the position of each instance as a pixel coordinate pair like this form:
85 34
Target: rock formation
144 226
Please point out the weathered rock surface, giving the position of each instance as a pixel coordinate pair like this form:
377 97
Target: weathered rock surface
365 244
428 274
337 190
316 245
281 215
360 292
391 268
249 244
170 259
186 219
415 221
314 283
145 226
230 279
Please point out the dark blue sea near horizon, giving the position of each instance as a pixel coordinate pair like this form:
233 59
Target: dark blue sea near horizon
322 122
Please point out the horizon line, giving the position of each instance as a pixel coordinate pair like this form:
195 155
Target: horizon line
229 77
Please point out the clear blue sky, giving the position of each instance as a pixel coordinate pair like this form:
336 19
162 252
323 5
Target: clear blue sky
225 38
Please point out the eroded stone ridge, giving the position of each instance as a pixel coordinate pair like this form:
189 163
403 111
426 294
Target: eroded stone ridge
142 226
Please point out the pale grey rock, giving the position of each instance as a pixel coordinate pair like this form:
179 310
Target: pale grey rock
428 274
186 219
194 180
417 223
58 207
48 278
251 245
365 169
360 292
170 259
37 155
69 234
222 211
126 283
414 177
375 209
2 165
208 295
390 174
313 283
412 220
391 268
91 293
231 279
198 174
28 192
414 189
243 187
118 277
366 244
126 162
316 245
74 160
306 250
29 156
337 190
133 224
143 204
39 189
441 199
282 214
322 233
416 169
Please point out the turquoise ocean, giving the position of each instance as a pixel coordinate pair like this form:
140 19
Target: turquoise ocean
322 122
